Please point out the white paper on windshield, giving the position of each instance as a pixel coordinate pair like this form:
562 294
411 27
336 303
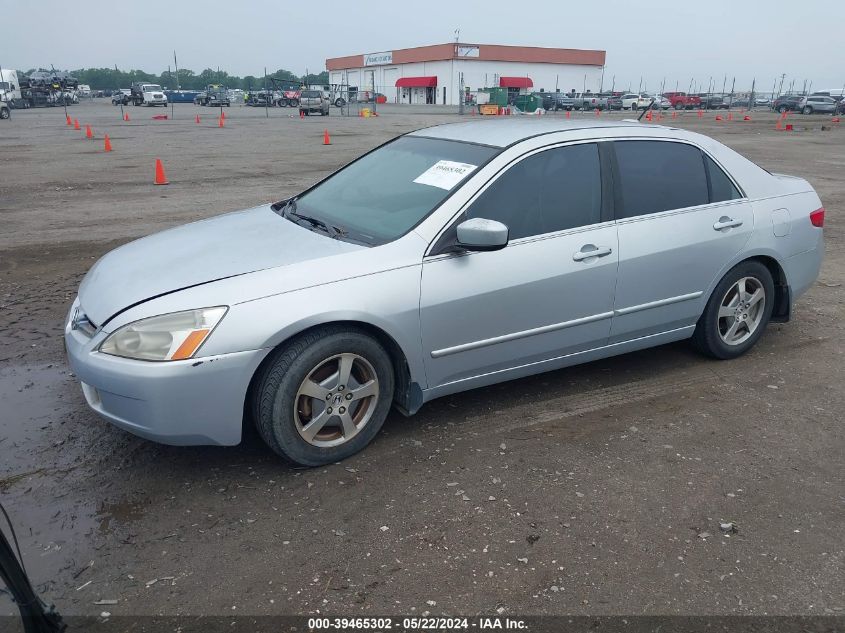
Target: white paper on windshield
444 174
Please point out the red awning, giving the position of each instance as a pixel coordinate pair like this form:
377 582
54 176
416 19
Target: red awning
416 82
515 82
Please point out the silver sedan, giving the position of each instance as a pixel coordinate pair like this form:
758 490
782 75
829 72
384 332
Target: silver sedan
447 259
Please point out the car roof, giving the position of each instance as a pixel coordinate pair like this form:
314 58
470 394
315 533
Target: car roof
502 132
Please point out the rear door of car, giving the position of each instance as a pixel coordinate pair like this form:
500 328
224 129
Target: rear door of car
680 218
548 293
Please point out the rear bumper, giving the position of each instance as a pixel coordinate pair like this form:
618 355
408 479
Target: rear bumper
197 401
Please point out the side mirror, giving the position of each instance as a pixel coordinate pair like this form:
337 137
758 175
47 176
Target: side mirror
480 234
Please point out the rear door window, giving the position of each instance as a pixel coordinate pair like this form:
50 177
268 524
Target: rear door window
721 187
657 176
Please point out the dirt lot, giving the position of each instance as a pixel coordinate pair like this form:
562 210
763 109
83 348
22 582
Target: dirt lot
597 489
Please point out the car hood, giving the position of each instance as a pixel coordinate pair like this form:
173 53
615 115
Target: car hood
199 253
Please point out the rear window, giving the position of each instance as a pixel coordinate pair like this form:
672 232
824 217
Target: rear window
310 93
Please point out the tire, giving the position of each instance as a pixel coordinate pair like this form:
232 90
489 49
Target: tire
5 113
281 411
782 109
339 102
807 110
294 103
679 106
709 337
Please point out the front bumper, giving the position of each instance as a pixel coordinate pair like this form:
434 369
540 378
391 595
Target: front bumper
195 401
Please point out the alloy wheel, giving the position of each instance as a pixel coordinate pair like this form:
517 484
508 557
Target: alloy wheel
741 311
336 400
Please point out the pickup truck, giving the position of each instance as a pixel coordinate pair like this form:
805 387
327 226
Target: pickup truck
683 101
590 101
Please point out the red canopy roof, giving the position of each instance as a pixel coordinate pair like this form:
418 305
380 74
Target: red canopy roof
416 82
515 82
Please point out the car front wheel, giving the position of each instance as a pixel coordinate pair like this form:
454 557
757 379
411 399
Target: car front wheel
737 312
807 110
323 396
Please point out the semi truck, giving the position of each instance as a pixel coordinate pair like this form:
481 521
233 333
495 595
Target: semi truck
145 93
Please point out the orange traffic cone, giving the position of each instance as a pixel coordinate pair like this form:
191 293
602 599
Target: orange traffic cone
326 139
222 114
107 145
779 125
69 122
76 124
648 116
89 133
718 117
700 113
221 122
568 114
197 120
125 116
730 116
302 114
598 112
160 178
674 114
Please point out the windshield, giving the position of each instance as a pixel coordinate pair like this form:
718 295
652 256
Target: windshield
387 192
151 87
4 85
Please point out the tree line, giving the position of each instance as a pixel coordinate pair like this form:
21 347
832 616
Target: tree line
110 78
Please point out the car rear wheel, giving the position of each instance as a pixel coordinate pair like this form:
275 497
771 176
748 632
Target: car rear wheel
324 396
679 106
782 109
737 312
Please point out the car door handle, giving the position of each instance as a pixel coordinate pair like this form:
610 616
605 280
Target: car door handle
591 250
726 223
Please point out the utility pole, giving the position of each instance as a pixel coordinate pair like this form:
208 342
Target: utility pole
780 89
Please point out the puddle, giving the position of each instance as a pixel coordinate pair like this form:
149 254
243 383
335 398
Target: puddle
31 401
38 470
118 513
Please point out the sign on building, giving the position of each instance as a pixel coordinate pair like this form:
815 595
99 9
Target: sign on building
378 59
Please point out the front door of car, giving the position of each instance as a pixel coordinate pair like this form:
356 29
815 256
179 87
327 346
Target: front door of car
680 220
548 293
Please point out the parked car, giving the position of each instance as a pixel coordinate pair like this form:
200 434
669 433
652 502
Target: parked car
762 101
634 101
613 102
590 101
683 101
121 97
787 103
817 103
382 284
710 101
5 112
563 101
314 101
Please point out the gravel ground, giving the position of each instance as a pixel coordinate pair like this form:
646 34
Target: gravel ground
598 489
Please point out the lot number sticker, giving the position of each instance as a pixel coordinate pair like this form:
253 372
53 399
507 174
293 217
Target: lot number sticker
444 174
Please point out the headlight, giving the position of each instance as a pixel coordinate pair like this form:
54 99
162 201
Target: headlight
175 336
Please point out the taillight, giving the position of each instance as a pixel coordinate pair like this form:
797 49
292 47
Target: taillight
817 217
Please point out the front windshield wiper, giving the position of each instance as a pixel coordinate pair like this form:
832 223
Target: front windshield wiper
288 211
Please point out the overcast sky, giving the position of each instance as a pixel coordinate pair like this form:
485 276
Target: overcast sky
676 40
